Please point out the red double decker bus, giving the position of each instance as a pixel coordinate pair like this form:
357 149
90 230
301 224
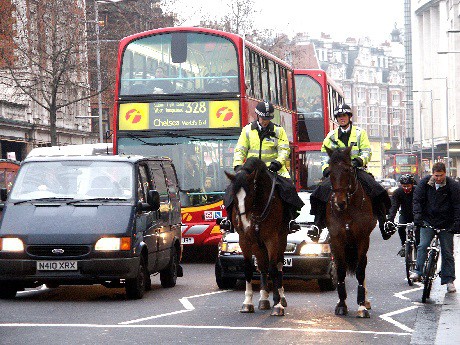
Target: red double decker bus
186 93
404 163
317 95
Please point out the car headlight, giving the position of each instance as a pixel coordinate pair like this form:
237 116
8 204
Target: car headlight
113 243
315 249
11 244
230 247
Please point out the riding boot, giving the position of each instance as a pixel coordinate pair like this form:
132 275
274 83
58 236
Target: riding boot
226 223
380 212
320 221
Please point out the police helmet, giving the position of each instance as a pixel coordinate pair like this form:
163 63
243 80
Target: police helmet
342 109
265 110
406 179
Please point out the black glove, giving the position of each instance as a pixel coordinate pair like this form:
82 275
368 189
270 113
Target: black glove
237 168
418 222
274 166
455 229
326 172
357 162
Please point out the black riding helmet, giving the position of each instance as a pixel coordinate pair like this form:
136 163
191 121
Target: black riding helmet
342 109
407 179
265 110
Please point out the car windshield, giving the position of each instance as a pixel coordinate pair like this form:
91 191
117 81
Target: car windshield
75 180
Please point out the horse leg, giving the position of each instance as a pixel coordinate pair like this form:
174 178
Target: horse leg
264 303
276 274
341 307
248 306
367 303
361 299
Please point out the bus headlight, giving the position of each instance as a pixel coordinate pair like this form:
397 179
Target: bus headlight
113 243
315 249
11 244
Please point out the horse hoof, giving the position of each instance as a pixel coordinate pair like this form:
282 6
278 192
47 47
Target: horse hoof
341 311
283 302
264 305
367 304
363 314
277 311
247 308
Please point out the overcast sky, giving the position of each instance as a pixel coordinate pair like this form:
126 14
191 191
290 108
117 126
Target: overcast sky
339 18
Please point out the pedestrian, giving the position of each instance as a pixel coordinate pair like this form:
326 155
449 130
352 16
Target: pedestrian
437 205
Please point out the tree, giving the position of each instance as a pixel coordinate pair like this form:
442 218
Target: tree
241 16
48 59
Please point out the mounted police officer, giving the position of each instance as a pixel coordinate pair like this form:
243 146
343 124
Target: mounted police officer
349 135
267 141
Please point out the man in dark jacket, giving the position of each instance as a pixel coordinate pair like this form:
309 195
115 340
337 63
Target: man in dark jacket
437 204
402 200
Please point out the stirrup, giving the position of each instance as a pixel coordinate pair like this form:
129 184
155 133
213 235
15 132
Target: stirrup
293 226
314 233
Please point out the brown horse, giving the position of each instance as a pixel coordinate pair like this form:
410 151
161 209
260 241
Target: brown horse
258 218
350 221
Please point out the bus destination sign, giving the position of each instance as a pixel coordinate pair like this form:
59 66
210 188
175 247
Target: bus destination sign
179 115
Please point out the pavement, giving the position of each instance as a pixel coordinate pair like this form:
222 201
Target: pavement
448 330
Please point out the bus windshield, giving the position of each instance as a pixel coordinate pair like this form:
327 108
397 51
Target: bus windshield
406 159
179 63
310 111
200 161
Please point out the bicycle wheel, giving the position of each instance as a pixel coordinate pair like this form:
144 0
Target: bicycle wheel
429 274
410 260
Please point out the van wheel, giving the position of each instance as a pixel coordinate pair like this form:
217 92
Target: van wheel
8 291
168 276
135 287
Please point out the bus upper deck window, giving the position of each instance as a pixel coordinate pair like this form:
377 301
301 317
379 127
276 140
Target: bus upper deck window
179 47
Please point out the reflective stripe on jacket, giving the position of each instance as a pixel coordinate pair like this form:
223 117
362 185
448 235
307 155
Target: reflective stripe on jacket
273 147
358 139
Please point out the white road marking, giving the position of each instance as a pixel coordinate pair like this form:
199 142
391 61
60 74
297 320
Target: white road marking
400 294
387 317
185 303
283 329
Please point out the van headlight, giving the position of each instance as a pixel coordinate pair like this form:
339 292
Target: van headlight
315 249
11 244
230 247
113 243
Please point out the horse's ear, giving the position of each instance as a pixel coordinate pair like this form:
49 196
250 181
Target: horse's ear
329 151
348 150
230 176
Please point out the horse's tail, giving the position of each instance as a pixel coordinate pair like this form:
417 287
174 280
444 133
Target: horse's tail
351 258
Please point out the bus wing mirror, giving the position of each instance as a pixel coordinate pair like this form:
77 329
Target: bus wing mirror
3 194
179 47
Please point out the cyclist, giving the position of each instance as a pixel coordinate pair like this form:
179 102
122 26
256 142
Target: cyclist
402 200
350 135
437 204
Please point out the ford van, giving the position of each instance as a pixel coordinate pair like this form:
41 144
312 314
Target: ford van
110 220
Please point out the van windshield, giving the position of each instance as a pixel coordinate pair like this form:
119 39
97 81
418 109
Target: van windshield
74 180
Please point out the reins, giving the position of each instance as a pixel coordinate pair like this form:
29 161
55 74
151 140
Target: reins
348 193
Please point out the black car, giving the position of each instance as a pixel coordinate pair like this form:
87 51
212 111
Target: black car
303 258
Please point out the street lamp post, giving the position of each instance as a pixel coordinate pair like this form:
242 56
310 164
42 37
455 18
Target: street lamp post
432 122
447 123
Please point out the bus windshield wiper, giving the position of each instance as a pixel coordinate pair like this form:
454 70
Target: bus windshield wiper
42 199
95 199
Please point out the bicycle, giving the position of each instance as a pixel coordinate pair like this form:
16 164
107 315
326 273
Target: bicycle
431 264
410 248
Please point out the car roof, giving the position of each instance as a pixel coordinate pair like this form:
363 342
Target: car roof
99 158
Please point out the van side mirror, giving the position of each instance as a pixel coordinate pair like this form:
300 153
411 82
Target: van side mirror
3 194
153 199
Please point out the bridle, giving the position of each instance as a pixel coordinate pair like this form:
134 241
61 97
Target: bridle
352 181
256 220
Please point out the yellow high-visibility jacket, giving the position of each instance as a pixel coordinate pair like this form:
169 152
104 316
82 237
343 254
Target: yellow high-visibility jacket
275 147
358 139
